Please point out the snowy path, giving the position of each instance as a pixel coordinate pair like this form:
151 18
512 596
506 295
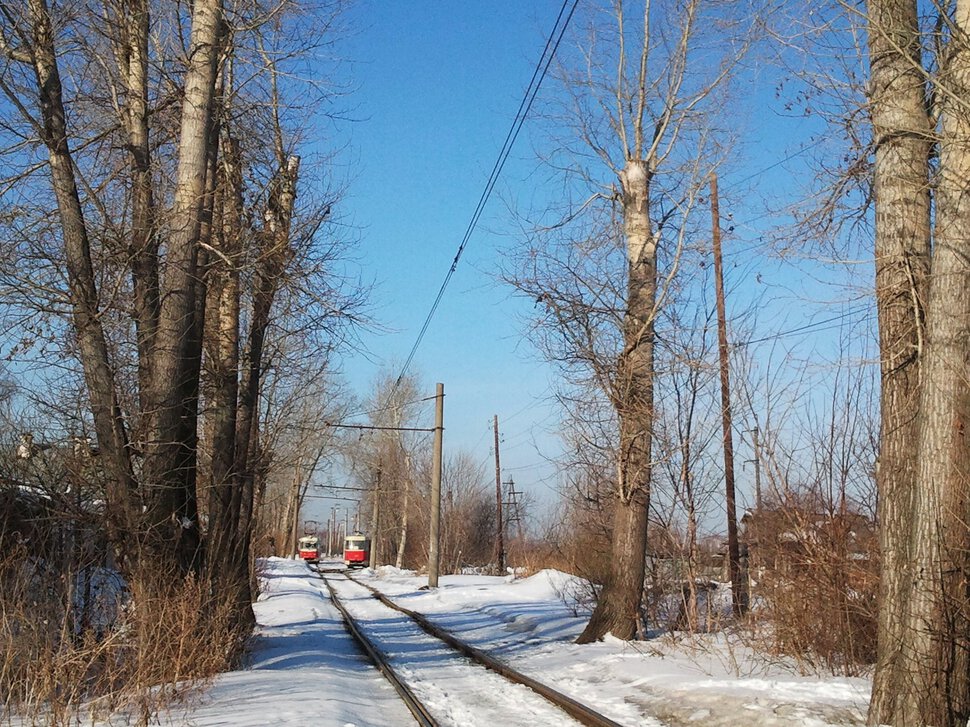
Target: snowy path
456 691
306 671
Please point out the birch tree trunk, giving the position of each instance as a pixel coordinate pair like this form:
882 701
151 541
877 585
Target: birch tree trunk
403 542
686 434
172 531
130 43
903 140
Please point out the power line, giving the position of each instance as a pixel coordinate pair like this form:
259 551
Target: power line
731 185
341 488
521 467
525 105
815 326
808 147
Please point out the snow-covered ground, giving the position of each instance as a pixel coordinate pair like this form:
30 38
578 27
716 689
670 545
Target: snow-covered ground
305 670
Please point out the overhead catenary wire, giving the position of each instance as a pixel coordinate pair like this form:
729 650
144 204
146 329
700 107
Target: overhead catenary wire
542 67
380 410
369 427
330 497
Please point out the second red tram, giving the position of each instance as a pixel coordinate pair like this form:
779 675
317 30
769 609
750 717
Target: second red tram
356 550
310 548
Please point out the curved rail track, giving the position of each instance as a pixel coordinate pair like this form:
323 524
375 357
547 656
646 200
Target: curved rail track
577 712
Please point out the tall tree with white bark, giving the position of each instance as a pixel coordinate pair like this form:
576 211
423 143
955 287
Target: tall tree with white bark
600 273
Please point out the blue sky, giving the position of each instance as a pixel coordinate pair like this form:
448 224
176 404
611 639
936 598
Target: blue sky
437 86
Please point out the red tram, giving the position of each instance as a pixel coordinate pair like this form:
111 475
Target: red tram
310 548
356 550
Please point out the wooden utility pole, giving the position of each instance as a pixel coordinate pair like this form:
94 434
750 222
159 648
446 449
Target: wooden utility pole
738 589
433 551
499 523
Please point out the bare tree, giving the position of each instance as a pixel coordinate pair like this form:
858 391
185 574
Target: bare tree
636 106
468 514
388 456
180 230
938 623
685 438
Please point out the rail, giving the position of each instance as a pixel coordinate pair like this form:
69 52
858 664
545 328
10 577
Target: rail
577 710
380 660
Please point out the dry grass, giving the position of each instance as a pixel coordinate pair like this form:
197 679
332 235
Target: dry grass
165 642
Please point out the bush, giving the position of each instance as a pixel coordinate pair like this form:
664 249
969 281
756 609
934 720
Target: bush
816 582
163 640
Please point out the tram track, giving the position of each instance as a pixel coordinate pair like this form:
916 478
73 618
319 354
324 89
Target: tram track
381 661
575 711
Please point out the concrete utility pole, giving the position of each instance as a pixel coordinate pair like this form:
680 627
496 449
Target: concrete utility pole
499 523
439 418
739 589
375 521
333 542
